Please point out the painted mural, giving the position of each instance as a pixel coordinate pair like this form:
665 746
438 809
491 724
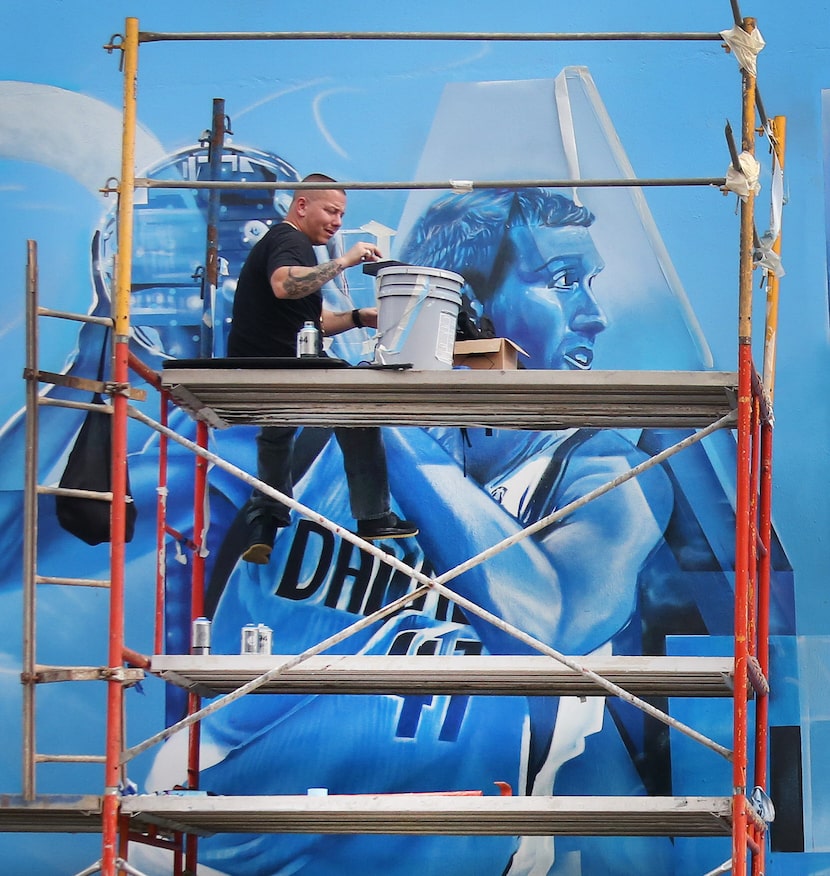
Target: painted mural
580 278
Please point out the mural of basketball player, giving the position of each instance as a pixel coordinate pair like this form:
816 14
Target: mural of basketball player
614 574
529 260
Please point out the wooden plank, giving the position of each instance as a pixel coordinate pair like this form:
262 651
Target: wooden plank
385 814
437 814
50 814
504 399
210 675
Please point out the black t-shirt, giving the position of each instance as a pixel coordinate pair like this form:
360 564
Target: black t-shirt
264 325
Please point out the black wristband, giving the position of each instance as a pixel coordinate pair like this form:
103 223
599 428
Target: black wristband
358 322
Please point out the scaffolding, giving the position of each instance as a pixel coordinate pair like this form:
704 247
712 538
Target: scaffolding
217 397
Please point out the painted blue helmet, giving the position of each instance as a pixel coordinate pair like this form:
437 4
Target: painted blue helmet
170 245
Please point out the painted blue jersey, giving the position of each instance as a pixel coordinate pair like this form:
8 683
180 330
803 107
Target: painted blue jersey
317 584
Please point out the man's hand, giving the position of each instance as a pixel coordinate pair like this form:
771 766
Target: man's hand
369 317
360 253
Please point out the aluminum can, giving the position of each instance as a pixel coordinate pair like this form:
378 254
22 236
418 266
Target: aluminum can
309 344
250 639
265 636
200 636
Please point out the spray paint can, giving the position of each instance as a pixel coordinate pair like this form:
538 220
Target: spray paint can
200 636
250 639
309 343
265 635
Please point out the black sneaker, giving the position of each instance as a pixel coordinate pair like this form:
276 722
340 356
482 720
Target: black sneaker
388 526
261 541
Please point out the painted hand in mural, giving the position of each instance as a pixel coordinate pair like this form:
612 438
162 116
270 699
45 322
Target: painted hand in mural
572 585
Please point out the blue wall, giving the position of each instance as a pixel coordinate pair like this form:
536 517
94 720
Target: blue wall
392 111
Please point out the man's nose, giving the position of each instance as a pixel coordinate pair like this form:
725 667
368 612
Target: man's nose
588 316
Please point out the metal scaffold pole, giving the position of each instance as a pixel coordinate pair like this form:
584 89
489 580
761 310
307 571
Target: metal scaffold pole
779 134
743 502
120 372
778 129
30 525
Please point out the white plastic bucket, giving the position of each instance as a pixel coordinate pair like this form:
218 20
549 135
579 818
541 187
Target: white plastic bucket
417 316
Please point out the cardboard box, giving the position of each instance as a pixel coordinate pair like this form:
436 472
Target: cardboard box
489 354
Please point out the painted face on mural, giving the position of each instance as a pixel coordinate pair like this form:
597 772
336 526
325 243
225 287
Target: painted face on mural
544 302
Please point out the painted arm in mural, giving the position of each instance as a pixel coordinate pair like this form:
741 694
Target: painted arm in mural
573 586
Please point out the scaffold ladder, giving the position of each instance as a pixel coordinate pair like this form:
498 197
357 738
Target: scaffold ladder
34 673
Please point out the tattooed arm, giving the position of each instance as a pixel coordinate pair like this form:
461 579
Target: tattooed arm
297 282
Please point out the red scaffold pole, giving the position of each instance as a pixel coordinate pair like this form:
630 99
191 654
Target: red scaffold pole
744 527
